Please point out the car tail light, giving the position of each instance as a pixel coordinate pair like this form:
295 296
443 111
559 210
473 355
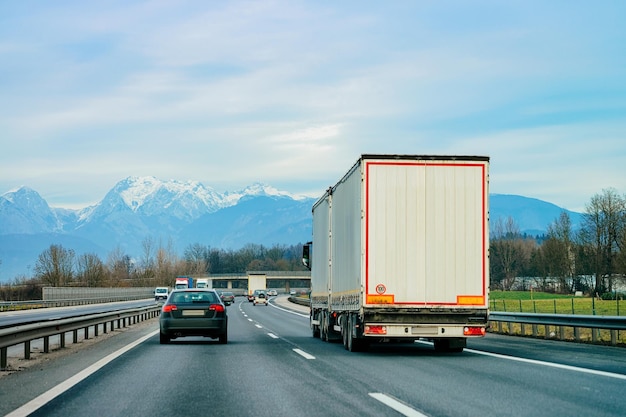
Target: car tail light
375 330
168 308
473 331
218 308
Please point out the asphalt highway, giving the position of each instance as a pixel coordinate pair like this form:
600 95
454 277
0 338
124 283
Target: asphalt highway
272 366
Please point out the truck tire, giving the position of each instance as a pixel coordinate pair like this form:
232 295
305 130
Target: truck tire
315 330
345 328
354 344
324 327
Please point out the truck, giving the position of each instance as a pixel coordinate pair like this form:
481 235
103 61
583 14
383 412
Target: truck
202 283
256 282
400 252
183 282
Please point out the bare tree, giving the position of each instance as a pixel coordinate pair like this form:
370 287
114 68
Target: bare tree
55 266
167 264
91 270
509 254
558 252
120 267
604 221
197 258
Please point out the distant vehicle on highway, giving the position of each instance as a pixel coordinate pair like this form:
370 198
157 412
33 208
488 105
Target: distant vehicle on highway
161 293
272 293
193 312
260 297
227 297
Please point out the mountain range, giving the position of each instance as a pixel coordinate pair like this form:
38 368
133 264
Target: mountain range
184 213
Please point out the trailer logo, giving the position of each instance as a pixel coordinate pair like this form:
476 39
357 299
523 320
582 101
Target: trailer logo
381 289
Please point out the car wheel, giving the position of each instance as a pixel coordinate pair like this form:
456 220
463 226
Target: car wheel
164 339
223 339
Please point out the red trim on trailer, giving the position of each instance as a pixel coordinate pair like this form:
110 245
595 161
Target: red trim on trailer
481 165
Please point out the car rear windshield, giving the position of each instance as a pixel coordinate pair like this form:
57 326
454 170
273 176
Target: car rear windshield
194 297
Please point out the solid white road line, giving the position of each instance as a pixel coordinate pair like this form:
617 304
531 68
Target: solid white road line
304 354
399 406
550 364
52 393
542 363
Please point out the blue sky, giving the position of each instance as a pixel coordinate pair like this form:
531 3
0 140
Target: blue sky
290 93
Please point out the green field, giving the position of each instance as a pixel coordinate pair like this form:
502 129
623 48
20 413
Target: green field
539 302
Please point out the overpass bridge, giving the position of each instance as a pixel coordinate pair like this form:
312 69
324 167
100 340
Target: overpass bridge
281 281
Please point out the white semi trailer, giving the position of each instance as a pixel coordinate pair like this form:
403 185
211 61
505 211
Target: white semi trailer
400 251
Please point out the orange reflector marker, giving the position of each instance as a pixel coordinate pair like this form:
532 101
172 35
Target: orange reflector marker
380 299
375 330
473 331
470 300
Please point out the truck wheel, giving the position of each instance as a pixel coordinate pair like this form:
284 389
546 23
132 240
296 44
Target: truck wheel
323 327
345 329
315 330
352 343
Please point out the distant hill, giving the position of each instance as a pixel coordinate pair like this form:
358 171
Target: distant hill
531 215
185 213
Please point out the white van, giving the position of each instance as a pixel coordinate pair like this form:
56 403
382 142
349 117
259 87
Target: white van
161 293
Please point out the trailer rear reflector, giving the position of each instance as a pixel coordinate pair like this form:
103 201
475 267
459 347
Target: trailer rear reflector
473 331
470 300
382 330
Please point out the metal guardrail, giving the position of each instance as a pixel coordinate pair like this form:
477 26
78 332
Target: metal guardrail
25 334
20 305
560 321
303 301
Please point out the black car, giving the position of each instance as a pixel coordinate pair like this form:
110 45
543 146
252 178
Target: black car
193 312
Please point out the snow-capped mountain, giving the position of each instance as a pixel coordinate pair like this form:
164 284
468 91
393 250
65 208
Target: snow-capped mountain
25 211
138 208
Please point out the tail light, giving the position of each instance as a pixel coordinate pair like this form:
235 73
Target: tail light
381 330
168 308
473 331
218 308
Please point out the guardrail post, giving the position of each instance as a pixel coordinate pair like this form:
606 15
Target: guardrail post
27 350
577 334
613 337
62 340
46 344
547 335
86 335
3 358
535 331
104 327
95 330
75 338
